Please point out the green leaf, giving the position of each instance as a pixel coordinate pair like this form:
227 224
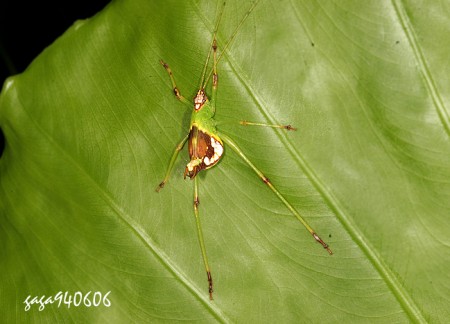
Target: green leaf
91 125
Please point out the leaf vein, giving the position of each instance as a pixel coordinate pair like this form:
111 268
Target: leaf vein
136 229
385 272
423 68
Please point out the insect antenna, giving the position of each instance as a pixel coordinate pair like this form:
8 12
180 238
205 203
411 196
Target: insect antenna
230 40
216 27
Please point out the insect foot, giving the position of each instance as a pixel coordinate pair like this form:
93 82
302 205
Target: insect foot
319 240
210 285
160 186
289 127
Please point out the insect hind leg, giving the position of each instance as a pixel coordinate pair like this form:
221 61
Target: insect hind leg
200 238
266 180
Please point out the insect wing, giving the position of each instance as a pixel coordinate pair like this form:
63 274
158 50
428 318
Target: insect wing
204 148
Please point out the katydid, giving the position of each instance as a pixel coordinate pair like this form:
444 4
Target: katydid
206 143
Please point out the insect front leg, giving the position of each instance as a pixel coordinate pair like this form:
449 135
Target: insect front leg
176 91
172 162
215 76
200 237
266 180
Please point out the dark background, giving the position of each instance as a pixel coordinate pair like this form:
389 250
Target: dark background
27 27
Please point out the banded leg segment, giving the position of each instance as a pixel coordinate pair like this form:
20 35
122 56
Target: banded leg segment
236 148
172 162
215 78
200 238
176 92
213 47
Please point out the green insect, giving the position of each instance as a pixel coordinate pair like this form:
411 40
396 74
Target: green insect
206 143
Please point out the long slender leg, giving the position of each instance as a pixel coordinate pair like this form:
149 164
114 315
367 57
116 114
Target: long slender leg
230 40
176 92
215 78
235 148
247 123
200 237
203 82
215 75
172 162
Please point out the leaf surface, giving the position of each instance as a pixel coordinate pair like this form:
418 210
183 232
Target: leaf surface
91 125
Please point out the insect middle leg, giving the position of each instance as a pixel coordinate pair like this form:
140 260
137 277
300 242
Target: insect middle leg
172 162
176 91
200 237
248 123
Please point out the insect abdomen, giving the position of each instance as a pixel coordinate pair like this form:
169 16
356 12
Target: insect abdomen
205 151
